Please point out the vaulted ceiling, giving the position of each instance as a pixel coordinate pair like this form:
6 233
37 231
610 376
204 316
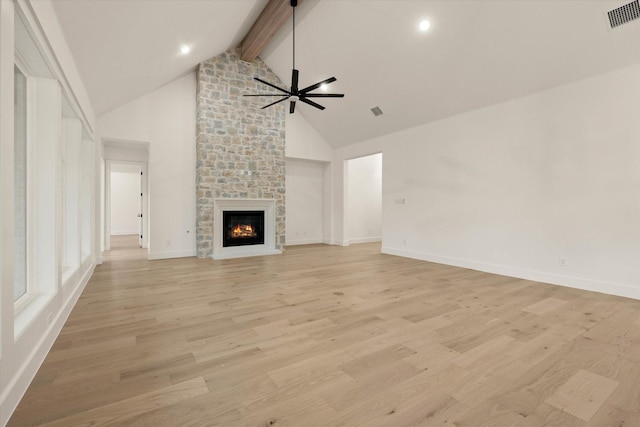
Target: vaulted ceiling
476 53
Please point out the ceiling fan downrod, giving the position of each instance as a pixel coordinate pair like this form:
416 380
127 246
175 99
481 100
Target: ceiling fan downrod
293 94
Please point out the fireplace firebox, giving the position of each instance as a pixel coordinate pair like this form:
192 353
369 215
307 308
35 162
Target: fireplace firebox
242 228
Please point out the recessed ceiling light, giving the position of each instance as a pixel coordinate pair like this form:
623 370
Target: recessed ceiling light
184 49
424 25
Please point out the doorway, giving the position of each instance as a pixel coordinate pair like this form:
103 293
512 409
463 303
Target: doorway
126 203
117 153
363 201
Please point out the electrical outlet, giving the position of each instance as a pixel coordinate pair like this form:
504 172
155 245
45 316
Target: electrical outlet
562 262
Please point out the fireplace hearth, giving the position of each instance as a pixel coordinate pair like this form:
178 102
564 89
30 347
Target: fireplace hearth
242 228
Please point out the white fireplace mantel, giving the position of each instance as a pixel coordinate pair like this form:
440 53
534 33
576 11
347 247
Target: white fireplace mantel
269 246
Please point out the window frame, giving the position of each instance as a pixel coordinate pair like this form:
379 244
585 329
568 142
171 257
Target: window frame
30 293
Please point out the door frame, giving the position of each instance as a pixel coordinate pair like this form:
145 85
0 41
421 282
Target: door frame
107 201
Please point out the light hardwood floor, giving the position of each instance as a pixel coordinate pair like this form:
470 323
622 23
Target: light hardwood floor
334 336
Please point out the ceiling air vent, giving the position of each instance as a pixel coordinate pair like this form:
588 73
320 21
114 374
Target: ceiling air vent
376 111
624 14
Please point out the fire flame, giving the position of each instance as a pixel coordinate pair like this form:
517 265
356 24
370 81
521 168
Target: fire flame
242 230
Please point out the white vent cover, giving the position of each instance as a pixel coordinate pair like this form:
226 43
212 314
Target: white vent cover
376 111
624 14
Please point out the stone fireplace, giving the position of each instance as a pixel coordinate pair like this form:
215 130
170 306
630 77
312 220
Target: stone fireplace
244 227
240 156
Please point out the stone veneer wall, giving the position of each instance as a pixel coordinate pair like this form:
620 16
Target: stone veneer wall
240 147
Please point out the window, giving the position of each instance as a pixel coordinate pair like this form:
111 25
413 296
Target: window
20 284
86 184
72 130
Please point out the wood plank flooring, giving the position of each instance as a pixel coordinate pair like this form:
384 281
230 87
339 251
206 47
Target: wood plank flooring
335 336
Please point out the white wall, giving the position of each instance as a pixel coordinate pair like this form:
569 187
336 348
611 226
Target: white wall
364 199
304 142
305 202
125 199
127 151
511 189
61 60
165 119
516 187
29 328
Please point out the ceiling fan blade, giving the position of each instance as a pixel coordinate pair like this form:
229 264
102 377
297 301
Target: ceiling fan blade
274 103
317 85
294 81
269 84
292 107
264 94
313 104
323 95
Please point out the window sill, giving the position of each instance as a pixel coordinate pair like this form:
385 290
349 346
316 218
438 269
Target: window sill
28 313
67 274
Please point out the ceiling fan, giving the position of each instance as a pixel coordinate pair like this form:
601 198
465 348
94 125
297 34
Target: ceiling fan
295 94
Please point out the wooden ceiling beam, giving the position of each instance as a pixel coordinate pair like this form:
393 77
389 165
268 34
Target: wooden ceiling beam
273 17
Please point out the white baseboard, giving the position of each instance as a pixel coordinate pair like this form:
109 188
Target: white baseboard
351 241
368 239
294 242
171 254
619 289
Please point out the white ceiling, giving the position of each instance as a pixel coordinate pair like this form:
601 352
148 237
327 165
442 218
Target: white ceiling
127 48
477 52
